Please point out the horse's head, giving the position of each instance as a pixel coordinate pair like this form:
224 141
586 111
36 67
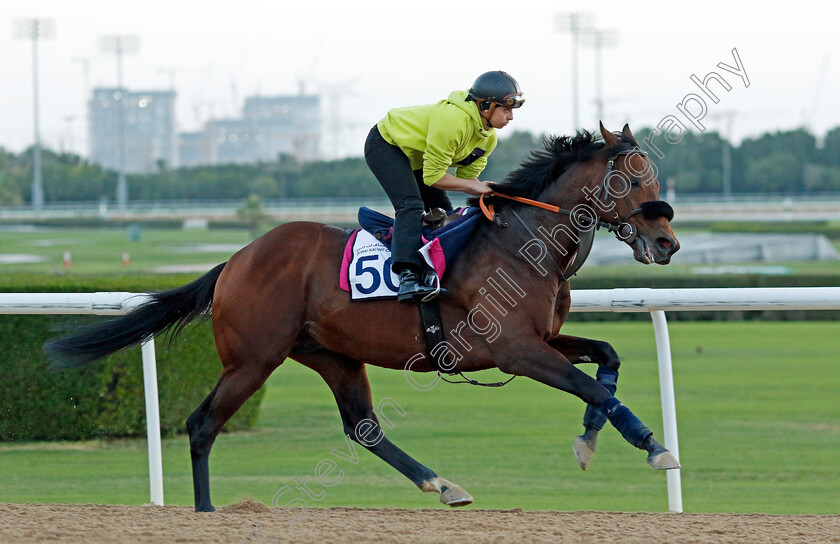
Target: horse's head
611 184
629 196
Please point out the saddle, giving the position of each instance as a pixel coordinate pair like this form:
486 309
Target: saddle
437 218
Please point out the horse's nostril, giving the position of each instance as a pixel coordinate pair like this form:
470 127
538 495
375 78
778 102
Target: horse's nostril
665 243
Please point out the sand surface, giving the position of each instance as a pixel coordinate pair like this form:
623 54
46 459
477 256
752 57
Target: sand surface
250 521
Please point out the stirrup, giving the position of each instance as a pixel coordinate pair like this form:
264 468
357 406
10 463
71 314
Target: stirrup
415 291
434 294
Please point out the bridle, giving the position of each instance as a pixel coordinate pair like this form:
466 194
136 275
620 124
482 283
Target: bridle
623 230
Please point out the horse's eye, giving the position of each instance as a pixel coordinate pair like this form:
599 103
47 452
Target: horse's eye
634 182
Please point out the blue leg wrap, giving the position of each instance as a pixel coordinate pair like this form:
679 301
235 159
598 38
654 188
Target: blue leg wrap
630 427
594 418
608 377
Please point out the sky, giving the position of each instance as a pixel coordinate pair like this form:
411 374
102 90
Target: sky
366 57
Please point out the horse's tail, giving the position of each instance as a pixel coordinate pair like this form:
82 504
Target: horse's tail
165 310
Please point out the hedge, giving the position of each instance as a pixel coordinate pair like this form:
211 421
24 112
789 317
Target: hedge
104 399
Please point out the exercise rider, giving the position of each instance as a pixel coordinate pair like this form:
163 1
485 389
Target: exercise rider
410 150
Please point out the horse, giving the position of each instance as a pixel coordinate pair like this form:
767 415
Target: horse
509 296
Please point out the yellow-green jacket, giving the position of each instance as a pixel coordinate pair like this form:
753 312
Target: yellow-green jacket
439 136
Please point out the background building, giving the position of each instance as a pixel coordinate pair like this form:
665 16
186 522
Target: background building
287 125
150 140
270 126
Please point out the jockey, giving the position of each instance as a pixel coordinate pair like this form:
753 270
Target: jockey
410 150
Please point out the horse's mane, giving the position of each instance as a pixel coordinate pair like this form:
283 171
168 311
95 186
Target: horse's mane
544 166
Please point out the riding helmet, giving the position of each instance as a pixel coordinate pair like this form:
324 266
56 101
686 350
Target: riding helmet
496 87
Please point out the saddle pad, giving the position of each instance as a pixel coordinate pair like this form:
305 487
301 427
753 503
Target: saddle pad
366 266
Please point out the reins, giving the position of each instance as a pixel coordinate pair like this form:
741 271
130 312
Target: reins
474 382
490 213
623 230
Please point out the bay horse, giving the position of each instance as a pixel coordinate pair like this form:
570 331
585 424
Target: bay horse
279 298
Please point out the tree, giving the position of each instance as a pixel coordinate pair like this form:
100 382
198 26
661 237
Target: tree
777 173
783 161
9 194
819 178
695 163
799 143
253 214
829 155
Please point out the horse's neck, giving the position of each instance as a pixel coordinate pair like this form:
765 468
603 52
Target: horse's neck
557 231
535 244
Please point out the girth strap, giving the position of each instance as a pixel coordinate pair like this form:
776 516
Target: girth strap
433 331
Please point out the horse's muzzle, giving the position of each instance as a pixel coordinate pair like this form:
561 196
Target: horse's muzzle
666 246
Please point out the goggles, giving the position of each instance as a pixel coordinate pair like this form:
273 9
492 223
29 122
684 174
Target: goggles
512 101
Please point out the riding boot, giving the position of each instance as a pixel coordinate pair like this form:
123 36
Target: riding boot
411 286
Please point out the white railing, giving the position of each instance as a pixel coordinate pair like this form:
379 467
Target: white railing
654 301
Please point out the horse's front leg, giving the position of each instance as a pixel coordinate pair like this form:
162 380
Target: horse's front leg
583 350
539 361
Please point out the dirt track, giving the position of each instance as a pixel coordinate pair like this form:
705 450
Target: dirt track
250 521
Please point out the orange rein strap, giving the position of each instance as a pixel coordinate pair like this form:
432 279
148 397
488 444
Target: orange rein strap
490 213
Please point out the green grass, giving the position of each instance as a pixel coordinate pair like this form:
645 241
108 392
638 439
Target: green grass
100 251
757 408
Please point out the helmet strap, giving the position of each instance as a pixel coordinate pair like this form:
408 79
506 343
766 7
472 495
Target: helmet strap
487 114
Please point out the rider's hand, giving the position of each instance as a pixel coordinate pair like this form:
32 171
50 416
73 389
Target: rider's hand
480 187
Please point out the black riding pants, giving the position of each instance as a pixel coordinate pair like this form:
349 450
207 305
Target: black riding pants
409 195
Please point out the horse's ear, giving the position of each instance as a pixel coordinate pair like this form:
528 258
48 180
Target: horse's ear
625 132
609 138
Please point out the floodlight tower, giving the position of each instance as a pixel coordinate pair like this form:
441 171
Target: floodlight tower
119 45
35 29
599 39
726 118
574 23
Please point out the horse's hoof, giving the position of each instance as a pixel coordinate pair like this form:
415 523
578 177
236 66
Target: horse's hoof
204 508
663 461
450 494
454 495
584 450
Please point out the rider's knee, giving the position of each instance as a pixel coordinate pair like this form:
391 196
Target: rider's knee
410 204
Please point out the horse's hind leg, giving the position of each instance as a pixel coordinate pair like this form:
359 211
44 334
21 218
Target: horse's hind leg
231 392
348 381
583 350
